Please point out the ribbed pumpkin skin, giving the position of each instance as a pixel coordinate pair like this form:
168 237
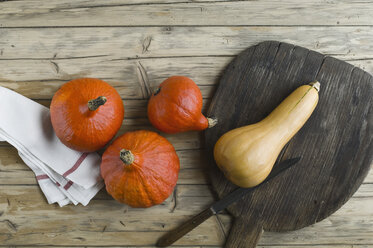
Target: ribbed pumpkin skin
80 128
177 106
150 179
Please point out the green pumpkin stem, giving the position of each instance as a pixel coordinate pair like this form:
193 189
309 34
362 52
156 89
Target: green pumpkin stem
127 156
96 103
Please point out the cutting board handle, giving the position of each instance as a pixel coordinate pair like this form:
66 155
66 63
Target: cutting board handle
244 234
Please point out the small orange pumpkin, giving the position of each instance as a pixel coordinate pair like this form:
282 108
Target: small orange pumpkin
140 169
86 113
176 106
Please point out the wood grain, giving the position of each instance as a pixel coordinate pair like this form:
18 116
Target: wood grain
45 43
98 44
338 152
38 79
26 210
118 13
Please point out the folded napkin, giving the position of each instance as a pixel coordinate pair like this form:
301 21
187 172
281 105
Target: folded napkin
64 175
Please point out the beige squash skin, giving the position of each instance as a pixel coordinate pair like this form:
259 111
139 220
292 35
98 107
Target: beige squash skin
247 154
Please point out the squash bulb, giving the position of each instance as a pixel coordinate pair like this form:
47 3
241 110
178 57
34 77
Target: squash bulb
247 154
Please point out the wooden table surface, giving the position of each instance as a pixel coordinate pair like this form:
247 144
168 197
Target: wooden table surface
134 45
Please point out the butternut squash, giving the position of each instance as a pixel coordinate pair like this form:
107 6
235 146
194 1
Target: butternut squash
247 154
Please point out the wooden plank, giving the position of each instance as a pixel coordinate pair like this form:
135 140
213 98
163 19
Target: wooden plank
318 245
45 89
259 246
324 233
328 232
23 212
23 222
63 4
110 43
365 190
127 90
265 12
37 79
77 246
26 200
207 236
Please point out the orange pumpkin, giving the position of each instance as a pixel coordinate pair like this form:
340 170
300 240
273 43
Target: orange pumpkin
86 113
140 169
176 106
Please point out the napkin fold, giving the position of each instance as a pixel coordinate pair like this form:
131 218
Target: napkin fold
64 175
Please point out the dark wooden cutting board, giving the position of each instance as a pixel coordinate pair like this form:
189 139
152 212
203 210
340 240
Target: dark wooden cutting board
335 144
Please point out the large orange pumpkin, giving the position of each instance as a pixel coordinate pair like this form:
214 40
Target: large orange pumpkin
86 113
140 169
176 106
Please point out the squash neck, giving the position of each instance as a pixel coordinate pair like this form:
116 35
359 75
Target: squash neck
287 118
126 156
96 103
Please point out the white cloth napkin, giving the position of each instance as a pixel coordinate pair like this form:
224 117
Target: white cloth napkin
64 175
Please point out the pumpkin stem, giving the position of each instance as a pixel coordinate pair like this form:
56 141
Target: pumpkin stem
126 156
95 103
212 121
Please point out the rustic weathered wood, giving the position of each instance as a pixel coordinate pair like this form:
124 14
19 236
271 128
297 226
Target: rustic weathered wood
28 211
32 219
261 246
118 13
335 144
195 38
174 235
131 91
37 79
96 46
